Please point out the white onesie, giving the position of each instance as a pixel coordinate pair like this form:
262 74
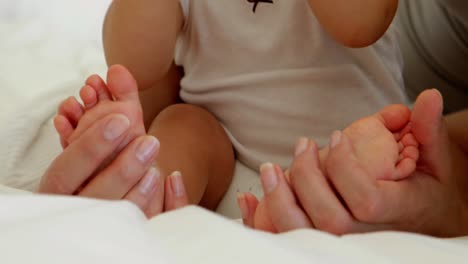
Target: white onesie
270 74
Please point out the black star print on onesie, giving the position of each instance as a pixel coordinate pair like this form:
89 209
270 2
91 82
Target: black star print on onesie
256 2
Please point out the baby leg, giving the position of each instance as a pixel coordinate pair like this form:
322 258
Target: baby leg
194 143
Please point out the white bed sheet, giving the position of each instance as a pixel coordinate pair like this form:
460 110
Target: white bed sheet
47 48
44 229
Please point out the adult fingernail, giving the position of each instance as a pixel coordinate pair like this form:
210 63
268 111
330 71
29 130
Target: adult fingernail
147 148
269 177
301 146
149 181
116 127
441 110
177 184
242 205
335 139
437 91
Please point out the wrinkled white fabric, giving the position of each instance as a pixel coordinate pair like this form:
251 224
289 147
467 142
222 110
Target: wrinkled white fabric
46 229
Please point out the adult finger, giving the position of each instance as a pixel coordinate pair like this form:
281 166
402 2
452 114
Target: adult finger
430 130
118 178
142 193
248 204
175 193
81 158
156 203
317 197
280 201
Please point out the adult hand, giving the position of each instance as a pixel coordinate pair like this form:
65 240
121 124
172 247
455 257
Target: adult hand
126 177
313 205
432 201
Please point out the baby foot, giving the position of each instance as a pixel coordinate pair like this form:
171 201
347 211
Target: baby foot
383 143
120 95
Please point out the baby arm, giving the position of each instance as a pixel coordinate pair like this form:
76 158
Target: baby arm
355 23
